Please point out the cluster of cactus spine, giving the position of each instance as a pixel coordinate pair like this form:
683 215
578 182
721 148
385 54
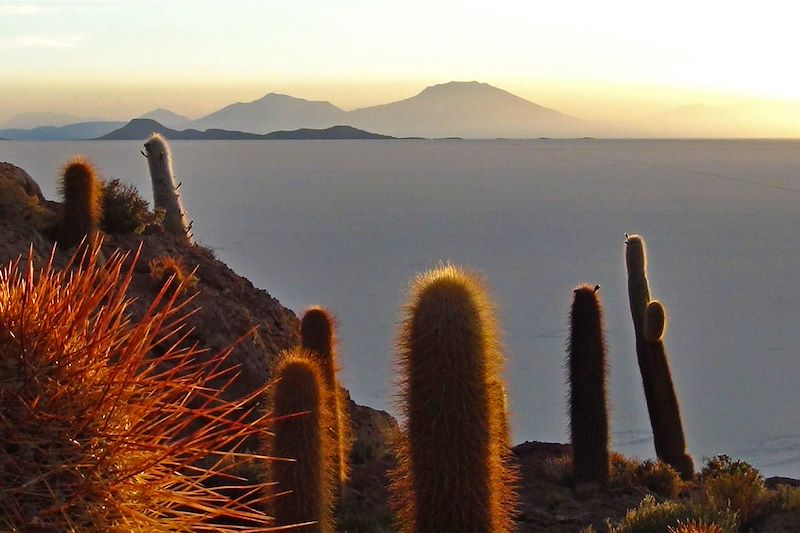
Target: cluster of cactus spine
588 405
318 336
454 473
82 192
662 404
106 419
301 433
165 190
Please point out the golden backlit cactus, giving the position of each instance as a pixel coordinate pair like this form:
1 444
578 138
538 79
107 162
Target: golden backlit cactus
81 190
318 336
299 403
649 321
668 424
588 404
108 423
454 472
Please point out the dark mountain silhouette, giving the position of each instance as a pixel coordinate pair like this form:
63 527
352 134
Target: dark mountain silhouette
466 109
334 132
167 118
140 129
72 132
273 112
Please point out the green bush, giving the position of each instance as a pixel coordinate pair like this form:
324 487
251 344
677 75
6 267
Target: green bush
735 485
660 478
653 517
124 211
786 498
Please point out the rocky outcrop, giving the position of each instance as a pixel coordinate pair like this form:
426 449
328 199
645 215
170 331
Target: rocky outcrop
225 309
365 500
28 184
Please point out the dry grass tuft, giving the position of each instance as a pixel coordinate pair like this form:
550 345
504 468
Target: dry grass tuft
168 267
696 527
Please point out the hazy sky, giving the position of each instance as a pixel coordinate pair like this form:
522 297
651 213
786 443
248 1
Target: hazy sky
613 59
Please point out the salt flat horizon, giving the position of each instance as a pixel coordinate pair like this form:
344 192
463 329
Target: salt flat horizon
348 224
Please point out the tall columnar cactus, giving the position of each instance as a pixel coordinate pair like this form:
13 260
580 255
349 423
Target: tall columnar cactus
82 193
656 377
165 190
454 473
318 336
301 432
588 410
673 441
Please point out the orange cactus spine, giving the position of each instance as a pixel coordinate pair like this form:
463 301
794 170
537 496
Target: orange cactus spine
301 432
318 336
454 473
111 421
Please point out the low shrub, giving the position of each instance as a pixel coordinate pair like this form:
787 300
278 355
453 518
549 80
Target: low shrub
654 517
558 470
786 498
660 478
727 484
125 211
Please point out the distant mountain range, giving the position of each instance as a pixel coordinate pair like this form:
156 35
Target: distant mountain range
274 112
71 132
140 129
454 109
27 121
168 118
466 109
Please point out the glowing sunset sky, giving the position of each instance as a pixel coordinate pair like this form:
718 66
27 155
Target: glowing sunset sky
617 59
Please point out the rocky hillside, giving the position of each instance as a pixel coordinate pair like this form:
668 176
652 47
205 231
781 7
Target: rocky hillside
227 307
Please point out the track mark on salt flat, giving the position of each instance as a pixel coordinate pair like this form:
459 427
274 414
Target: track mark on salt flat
708 175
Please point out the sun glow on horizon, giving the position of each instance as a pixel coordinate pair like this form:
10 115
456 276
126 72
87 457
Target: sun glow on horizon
624 59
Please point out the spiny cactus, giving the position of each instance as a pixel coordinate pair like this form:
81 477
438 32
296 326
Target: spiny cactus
81 189
454 473
498 391
588 410
656 377
301 432
107 422
672 442
165 190
318 336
